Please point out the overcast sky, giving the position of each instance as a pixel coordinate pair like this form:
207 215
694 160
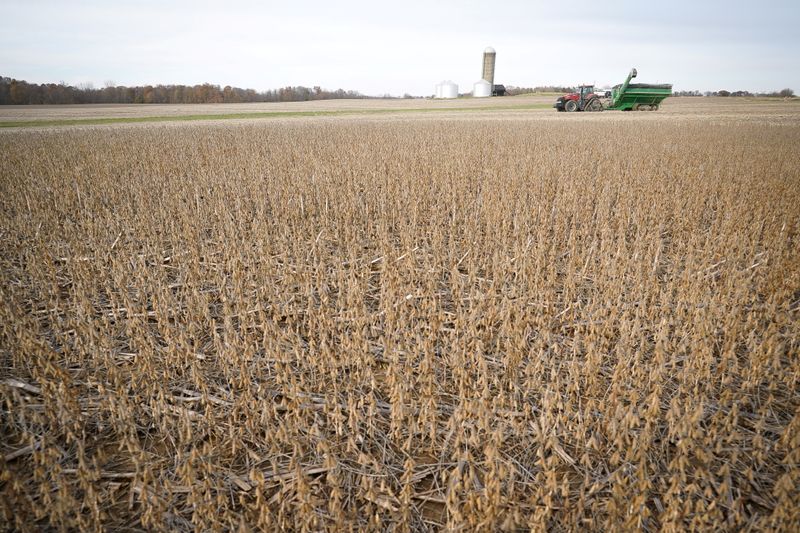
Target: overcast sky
404 46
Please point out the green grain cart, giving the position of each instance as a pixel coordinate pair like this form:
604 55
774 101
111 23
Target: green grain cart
624 97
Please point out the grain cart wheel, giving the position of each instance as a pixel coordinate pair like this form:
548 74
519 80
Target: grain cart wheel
570 105
594 105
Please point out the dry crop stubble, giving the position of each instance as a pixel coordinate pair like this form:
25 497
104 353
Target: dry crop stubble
421 325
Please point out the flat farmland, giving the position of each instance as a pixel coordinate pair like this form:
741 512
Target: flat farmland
524 106
478 319
321 107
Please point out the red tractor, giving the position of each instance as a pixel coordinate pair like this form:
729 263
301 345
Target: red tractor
583 100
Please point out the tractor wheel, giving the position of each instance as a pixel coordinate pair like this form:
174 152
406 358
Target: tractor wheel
594 105
570 105
654 107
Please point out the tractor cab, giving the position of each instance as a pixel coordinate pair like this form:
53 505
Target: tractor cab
584 91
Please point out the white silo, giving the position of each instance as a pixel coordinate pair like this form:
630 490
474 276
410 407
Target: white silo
481 89
447 89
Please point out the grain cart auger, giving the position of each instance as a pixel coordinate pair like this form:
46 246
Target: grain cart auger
624 97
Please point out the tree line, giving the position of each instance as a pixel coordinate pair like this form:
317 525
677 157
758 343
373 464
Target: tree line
20 92
514 91
783 93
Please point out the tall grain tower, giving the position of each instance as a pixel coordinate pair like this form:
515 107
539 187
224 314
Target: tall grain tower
488 65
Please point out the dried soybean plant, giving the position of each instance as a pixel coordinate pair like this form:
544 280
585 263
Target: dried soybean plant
412 325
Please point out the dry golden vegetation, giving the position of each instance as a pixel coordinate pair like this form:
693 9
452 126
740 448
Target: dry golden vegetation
401 325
